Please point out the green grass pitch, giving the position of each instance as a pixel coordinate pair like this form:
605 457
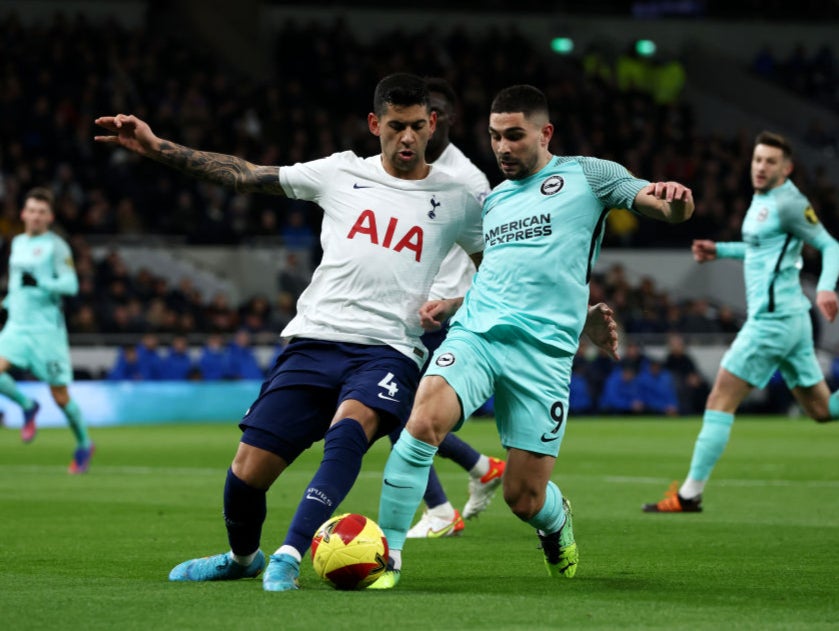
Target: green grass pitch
93 551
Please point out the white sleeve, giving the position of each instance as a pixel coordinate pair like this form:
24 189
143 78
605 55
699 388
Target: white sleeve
307 180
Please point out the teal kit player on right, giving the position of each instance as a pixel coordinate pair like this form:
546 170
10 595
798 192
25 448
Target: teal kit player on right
519 326
778 332
35 336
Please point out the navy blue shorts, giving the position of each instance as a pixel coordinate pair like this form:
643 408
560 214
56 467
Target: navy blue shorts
432 340
312 377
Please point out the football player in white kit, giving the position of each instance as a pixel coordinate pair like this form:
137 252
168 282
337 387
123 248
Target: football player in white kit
350 369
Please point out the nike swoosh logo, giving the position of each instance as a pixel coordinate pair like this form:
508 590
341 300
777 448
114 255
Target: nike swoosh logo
316 498
548 438
440 533
387 398
395 486
493 473
357 185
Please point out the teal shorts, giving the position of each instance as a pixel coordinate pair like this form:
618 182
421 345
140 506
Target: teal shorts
46 354
529 380
765 345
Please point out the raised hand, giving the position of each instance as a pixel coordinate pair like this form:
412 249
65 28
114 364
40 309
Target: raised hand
670 192
129 132
435 312
703 250
828 304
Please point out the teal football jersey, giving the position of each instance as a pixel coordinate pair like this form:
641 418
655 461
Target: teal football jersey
48 258
542 236
777 225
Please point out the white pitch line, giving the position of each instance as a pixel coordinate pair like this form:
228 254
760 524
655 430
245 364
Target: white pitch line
447 475
720 481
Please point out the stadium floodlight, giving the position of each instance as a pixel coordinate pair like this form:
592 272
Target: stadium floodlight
645 47
562 45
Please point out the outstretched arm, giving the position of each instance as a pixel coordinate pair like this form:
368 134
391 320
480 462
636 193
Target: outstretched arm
667 201
135 135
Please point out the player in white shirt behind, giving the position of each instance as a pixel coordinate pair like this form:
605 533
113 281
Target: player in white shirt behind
349 373
441 519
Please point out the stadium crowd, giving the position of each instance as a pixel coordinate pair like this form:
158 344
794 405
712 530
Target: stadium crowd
811 73
51 94
216 360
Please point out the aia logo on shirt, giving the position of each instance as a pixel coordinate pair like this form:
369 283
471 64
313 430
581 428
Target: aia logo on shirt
410 239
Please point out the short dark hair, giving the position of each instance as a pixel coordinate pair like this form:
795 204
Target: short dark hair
401 89
42 194
520 98
772 139
441 86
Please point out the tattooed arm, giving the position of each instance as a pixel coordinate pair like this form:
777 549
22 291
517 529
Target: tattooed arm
135 135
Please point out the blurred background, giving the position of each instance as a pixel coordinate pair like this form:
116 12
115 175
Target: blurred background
184 281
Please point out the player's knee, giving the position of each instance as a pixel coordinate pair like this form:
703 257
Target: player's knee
426 429
257 467
61 397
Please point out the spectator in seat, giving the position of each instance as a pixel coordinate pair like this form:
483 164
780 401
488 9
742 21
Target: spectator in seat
620 392
215 359
148 355
127 366
657 389
691 387
243 363
177 365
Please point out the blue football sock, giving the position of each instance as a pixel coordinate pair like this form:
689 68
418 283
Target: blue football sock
344 447
76 423
244 512
8 386
711 442
434 495
459 451
405 479
550 517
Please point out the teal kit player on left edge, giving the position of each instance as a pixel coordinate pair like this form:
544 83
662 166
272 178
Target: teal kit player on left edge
35 336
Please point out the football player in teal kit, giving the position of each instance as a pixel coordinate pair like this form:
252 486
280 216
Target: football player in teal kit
518 328
35 336
778 332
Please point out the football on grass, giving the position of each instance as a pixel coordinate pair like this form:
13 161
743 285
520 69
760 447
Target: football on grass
349 551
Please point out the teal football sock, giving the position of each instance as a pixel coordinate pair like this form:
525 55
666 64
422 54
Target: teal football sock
550 517
77 424
403 484
711 442
8 387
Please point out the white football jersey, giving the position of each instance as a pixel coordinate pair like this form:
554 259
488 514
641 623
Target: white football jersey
457 269
383 240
